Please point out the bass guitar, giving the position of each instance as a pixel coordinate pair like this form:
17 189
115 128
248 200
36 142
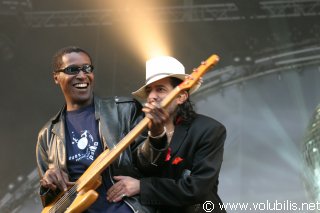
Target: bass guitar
81 195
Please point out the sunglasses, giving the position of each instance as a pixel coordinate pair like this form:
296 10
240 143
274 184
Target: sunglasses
74 70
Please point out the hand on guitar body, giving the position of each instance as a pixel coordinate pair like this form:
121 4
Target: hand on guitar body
56 178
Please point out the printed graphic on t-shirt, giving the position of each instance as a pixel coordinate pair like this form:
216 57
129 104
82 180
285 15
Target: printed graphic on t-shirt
84 147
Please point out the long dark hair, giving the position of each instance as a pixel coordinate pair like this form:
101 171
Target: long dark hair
185 112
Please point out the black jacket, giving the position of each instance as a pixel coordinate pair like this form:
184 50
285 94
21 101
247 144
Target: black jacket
116 117
188 174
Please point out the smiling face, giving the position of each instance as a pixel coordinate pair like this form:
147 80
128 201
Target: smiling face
77 89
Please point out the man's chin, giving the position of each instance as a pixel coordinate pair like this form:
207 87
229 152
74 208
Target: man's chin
84 99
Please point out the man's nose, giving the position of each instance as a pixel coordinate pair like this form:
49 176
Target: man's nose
81 74
152 96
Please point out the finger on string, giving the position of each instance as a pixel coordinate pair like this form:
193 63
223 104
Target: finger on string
65 177
61 184
70 183
52 186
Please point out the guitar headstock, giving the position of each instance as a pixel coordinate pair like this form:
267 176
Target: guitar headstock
193 78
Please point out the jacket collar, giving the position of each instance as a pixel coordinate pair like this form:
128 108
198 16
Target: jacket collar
107 115
178 137
58 125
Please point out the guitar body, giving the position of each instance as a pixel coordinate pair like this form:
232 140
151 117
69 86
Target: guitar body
83 199
80 204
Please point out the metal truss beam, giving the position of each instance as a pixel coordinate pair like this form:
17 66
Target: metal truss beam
289 8
10 7
185 13
68 18
209 12
193 13
294 60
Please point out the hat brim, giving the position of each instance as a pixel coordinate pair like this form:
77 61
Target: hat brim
141 93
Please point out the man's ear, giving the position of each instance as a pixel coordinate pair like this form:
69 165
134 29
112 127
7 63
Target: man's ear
55 78
182 97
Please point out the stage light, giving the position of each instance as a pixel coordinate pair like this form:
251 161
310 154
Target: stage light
236 59
10 186
140 28
20 178
248 58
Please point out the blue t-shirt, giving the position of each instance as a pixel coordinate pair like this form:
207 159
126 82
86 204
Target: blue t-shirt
83 147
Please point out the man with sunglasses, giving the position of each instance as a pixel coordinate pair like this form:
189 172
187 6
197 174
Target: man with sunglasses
86 126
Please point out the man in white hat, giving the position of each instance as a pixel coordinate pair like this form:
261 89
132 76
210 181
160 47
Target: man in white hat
183 152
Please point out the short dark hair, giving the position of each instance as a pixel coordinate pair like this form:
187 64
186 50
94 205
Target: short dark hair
185 112
57 58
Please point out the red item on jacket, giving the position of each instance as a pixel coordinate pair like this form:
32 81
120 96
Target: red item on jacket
176 161
168 156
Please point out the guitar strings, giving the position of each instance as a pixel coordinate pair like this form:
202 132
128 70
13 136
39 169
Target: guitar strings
67 196
73 189
63 199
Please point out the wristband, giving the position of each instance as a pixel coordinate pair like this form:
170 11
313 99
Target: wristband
158 136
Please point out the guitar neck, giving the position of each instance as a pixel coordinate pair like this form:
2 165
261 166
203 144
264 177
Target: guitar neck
108 156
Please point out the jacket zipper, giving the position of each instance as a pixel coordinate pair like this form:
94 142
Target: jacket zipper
105 144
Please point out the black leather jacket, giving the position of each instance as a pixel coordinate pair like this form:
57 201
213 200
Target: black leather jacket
116 117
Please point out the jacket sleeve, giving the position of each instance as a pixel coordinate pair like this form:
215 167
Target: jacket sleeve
192 186
46 195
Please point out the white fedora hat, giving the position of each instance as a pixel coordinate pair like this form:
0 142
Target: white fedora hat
162 67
